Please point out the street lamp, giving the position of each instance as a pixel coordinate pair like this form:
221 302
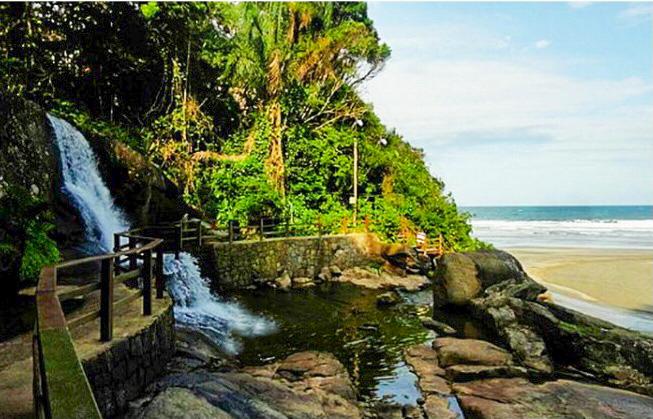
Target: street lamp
359 123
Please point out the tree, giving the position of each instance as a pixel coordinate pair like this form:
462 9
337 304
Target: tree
279 49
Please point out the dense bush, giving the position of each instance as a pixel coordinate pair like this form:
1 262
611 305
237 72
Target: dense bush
25 224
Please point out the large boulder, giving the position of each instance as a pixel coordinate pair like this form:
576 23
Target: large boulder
459 277
518 398
456 280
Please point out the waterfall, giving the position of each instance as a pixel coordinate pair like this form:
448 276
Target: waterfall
83 184
195 305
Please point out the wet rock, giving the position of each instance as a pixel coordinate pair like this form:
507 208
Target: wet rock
302 282
462 373
381 279
335 270
304 385
324 275
175 402
452 351
319 370
386 410
387 299
424 362
411 412
518 398
440 327
283 282
438 407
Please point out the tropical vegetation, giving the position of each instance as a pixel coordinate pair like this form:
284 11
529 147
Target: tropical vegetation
253 109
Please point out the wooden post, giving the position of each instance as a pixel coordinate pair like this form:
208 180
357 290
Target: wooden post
180 238
132 257
116 249
231 232
147 282
287 227
106 300
159 273
261 229
199 233
116 243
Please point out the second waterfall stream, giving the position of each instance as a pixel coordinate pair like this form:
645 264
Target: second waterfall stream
195 305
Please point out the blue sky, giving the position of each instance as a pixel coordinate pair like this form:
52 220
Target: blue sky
523 103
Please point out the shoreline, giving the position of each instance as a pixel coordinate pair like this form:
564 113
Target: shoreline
621 278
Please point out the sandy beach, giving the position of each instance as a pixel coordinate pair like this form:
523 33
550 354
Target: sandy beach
617 277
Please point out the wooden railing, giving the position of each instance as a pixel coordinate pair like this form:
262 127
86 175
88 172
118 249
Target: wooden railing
61 389
266 228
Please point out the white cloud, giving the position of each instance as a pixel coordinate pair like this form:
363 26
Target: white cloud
579 4
522 124
542 43
637 11
448 38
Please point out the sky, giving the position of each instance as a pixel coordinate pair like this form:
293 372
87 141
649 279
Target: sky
523 103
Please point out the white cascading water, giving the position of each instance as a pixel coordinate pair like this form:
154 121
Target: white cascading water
83 184
195 306
198 308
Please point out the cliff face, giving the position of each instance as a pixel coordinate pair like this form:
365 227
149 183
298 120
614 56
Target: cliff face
138 187
28 175
27 156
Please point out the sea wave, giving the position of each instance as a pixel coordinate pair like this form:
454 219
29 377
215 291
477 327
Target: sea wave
616 233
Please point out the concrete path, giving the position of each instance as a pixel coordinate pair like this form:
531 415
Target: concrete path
16 378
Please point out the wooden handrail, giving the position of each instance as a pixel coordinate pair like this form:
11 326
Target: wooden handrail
61 388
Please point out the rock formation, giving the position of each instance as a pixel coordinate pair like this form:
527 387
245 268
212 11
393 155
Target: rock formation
543 337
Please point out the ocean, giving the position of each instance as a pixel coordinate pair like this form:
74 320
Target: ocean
616 227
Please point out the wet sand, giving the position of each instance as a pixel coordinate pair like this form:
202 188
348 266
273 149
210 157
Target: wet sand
616 277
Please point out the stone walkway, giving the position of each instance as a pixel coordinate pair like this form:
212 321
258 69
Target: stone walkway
16 365
16 377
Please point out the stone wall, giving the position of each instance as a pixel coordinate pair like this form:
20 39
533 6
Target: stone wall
244 263
122 372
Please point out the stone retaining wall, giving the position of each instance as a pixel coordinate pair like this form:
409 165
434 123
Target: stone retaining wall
244 263
122 372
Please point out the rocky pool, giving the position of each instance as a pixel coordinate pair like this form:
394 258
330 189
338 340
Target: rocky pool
344 320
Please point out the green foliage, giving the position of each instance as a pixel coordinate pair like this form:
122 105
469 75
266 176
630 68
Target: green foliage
149 9
253 108
98 128
26 225
40 249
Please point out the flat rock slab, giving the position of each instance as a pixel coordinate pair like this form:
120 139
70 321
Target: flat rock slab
424 362
452 351
511 398
367 279
437 407
464 373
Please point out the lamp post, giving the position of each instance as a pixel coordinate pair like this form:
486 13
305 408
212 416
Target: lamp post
359 123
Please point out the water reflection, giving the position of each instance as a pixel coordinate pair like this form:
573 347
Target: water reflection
345 321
